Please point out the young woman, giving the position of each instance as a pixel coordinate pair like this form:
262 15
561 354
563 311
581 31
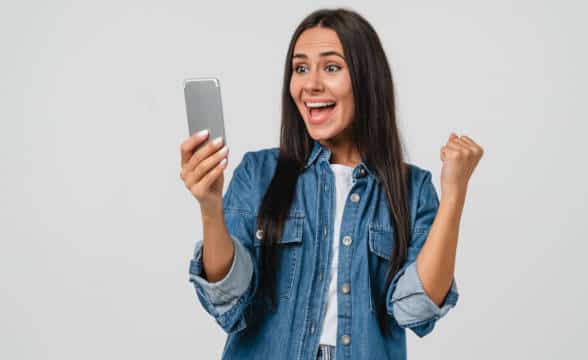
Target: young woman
329 246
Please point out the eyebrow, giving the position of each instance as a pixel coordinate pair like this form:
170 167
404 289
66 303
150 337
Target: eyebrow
326 53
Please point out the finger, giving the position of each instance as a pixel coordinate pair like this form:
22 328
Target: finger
209 163
451 137
477 147
468 140
470 150
204 152
467 150
458 149
460 142
213 174
452 150
188 146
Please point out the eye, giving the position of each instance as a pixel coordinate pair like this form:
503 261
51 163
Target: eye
298 68
336 67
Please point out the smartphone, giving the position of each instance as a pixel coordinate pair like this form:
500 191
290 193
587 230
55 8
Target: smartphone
204 107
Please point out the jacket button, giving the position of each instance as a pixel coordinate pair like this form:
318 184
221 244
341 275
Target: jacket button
361 172
259 234
345 288
354 197
347 240
345 339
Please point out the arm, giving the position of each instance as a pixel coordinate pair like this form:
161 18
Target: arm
224 272
222 295
218 257
429 281
408 300
436 262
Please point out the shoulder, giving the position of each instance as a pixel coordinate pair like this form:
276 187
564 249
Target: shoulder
250 179
418 175
261 157
258 162
257 167
421 180
422 192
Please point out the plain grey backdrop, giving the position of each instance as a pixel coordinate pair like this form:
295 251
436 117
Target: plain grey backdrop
97 228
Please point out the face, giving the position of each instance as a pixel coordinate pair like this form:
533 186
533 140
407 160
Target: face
321 86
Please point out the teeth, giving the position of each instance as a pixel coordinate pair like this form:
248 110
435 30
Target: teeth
319 104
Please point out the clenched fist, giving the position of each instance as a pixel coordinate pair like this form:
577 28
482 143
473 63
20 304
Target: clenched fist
459 155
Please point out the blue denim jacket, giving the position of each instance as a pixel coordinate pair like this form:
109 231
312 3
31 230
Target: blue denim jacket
292 331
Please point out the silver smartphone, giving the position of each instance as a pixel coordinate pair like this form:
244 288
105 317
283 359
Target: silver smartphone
204 107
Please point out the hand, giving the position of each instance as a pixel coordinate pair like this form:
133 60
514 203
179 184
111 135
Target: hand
459 155
202 170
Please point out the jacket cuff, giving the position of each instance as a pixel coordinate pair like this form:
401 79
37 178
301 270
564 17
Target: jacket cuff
224 294
413 308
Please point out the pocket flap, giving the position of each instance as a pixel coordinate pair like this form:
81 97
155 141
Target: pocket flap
293 227
381 241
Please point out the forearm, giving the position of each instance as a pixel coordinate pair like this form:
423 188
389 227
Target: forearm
218 249
436 260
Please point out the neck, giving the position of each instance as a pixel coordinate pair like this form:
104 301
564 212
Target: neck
343 152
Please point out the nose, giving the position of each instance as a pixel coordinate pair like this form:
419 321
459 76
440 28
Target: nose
314 82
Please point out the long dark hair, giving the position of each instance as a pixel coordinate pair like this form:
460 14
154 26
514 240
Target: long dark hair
374 132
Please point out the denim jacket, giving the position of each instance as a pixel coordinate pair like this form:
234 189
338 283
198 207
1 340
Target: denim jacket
292 330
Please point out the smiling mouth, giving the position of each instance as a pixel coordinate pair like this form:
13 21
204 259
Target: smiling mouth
319 112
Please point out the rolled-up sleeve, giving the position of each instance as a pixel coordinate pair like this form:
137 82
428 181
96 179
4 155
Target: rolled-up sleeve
224 294
413 308
407 300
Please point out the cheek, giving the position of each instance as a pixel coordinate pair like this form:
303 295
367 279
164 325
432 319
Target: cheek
291 88
345 96
349 100
341 88
348 113
294 89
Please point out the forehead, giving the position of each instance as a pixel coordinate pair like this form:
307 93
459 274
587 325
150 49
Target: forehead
317 39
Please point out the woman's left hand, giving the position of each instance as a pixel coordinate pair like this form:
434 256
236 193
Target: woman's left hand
459 155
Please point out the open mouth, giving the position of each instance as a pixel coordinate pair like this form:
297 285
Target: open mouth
319 111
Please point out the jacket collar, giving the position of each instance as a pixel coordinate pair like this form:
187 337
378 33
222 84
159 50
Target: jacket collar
320 153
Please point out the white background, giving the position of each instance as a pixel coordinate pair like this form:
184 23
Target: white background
97 228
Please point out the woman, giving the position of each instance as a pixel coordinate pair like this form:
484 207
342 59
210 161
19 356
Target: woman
346 246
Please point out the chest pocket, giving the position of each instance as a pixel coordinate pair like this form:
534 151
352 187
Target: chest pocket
289 252
381 239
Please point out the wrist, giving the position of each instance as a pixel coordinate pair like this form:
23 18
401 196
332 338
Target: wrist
211 214
455 197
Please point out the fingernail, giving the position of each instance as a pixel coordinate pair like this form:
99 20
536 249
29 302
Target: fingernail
217 140
223 162
224 150
202 133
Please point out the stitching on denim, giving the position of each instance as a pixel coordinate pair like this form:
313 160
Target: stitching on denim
238 211
420 322
373 240
290 250
395 299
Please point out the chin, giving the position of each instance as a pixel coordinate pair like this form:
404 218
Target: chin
319 134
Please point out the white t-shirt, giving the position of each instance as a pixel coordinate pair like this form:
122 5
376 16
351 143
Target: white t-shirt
343 184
